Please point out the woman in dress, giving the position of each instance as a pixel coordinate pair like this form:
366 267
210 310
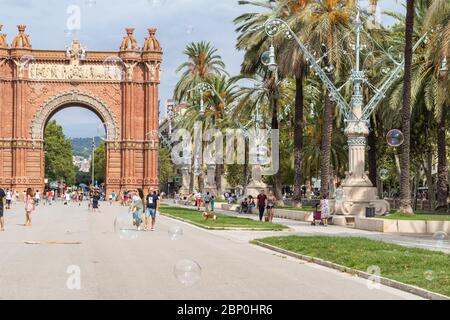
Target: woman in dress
29 207
271 202
325 210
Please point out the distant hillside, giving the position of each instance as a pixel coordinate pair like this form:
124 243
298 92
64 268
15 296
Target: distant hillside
83 146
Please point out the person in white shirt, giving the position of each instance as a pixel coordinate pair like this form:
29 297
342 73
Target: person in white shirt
37 197
67 198
8 199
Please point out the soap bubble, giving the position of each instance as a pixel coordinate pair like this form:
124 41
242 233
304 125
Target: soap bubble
384 174
429 275
187 272
124 228
265 58
395 138
175 233
440 236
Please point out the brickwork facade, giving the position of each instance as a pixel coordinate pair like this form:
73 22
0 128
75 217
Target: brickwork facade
120 87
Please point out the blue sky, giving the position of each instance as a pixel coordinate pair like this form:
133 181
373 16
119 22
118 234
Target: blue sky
102 24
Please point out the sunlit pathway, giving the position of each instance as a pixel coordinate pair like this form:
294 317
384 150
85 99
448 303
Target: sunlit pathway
112 268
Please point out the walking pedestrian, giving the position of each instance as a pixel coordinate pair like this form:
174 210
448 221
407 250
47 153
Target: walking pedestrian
198 200
2 219
137 206
37 197
261 203
29 206
213 201
8 198
271 202
207 201
95 200
152 209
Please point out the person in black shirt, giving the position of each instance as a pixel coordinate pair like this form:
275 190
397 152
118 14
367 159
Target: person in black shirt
2 221
152 208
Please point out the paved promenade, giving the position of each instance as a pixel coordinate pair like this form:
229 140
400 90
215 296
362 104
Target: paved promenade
111 268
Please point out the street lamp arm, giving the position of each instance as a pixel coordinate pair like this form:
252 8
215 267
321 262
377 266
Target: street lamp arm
204 86
273 27
381 93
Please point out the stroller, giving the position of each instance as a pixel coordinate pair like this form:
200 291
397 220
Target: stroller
317 216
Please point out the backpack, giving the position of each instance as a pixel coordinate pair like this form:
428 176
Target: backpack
207 198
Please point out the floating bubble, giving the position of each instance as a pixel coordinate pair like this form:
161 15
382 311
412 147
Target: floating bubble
124 228
440 236
395 138
429 275
189 29
265 58
175 233
373 281
187 272
384 174
441 239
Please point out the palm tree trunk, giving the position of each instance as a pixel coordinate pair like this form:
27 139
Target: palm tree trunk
372 154
325 147
275 126
442 175
405 191
192 179
245 168
201 181
219 174
298 140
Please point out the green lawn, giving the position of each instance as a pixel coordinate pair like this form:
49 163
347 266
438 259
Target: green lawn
223 221
408 265
419 215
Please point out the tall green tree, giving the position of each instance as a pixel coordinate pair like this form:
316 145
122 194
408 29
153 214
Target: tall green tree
203 64
100 163
326 22
166 167
58 154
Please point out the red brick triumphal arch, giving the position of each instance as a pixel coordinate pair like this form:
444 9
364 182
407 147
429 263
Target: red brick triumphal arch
120 87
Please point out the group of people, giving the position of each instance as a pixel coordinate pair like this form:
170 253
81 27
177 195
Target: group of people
137 203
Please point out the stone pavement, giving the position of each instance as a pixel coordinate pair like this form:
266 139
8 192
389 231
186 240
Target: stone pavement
111 268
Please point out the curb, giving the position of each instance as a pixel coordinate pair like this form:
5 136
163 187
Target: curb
221 228
385 281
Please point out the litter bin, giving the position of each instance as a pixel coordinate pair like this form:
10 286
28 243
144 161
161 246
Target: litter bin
370 212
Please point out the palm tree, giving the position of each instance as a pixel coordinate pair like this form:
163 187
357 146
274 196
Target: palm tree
428 93
203 63
290 62
405 191
265 92
438 17
325 24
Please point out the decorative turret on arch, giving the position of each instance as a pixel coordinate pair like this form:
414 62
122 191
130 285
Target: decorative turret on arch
77 98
